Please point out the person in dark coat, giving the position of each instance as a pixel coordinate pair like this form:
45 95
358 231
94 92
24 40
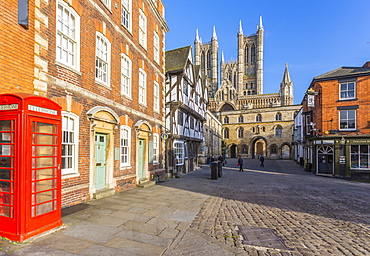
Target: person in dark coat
221 159
262 159
240 163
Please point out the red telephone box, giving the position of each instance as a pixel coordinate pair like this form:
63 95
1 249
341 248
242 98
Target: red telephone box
30 160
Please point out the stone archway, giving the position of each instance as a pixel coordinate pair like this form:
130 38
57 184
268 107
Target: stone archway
258 148
233 151
103 122
285 152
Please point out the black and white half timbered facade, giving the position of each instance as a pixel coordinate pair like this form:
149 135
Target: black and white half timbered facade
186 101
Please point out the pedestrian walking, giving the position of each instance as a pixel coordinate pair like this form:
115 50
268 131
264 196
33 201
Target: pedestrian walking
240 164
221 159
262 159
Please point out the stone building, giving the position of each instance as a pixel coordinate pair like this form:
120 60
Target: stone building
212 143
103 62
253 123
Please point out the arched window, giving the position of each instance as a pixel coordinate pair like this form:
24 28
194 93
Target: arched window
246 54
278 131
226 133
231 95
241 119
253 54
240 132
235 80
259 118
273 149
244 93
203 60
209 62
263 129
245 149
249 92
226 120
253 129
278 117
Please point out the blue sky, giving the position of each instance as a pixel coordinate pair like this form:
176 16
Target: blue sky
312 36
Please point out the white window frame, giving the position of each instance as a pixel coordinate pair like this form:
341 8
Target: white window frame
126 14
156 47
126 74
67 36
358 157
142 29
67 131
156 97
107 3
179 152
102 61
347 119
155 148
125 142
346 91
142 87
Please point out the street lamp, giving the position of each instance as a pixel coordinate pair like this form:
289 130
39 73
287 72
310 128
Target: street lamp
342 141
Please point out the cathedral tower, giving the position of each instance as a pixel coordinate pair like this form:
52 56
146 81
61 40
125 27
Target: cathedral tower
206 55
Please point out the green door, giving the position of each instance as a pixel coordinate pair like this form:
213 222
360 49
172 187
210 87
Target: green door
141 159
100 160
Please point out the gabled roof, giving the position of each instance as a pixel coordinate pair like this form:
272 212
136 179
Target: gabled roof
344 72
177 59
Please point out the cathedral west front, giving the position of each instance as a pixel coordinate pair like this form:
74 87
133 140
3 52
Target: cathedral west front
253 123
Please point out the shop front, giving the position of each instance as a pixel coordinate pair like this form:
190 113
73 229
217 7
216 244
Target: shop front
344 157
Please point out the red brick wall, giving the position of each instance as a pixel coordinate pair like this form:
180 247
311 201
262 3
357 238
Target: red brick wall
327 101
92 21
16 49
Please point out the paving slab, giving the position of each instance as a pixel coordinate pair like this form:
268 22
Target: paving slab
134 247
100 250
145 238
91 232
61 242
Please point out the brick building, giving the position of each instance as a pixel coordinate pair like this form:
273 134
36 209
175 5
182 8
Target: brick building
103 62
336 128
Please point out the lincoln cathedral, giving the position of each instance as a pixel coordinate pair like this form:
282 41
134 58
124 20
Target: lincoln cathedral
253 123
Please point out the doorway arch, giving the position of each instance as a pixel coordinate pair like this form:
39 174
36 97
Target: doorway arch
285 151
259 146
233 151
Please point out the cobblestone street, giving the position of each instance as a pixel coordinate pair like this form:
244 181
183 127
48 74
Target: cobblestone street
307 214
275 210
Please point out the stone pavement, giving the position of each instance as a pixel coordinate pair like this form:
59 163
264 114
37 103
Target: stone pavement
273 210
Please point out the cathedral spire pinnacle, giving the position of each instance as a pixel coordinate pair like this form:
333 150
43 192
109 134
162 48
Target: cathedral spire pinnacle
260 26
197 39
286 77
222 57
240 32
214 36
